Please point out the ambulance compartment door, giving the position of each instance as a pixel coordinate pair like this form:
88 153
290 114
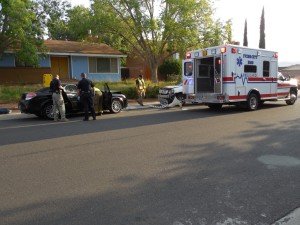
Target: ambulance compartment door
218 75
204 75
273 75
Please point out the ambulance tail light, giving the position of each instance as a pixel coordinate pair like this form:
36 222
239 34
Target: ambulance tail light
223 49
233 50
275 55
188 55
220 97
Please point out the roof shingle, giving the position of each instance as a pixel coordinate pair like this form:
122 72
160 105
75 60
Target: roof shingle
57 46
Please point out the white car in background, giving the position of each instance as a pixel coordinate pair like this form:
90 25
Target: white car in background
167 94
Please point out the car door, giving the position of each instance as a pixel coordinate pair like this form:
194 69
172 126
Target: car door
72 102
107 97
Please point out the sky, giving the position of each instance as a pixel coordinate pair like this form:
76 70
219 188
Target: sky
281 24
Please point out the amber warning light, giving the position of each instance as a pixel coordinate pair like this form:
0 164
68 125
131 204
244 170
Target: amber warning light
188 55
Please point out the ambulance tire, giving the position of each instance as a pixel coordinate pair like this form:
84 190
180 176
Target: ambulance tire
215 106
293 98
253 102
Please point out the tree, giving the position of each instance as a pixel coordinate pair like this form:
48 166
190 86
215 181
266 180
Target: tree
154 30
262 42
52 15
79 23
20 31
245 42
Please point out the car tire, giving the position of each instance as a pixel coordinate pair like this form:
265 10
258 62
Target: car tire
181 97
116 106
48 111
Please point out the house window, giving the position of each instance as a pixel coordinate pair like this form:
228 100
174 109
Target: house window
103 65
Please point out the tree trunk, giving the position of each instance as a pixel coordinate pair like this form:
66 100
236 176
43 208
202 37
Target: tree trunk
154 67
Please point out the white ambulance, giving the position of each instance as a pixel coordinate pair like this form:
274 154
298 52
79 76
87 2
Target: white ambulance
235 75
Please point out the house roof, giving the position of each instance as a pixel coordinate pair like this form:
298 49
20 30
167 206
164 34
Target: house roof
293 67
57 47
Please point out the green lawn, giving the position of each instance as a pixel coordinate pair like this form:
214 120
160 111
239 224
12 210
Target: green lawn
13 92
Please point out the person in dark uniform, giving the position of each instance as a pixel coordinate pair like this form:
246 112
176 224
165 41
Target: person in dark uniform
84 90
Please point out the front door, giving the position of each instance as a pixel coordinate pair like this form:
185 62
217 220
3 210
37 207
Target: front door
60 66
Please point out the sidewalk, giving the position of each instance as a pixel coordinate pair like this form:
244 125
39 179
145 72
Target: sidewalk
12 107
148 103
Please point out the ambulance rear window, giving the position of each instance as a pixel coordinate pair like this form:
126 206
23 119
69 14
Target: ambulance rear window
188 69
250 69
266 69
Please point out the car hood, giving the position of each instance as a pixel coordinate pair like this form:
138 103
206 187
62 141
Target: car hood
116 92
171 87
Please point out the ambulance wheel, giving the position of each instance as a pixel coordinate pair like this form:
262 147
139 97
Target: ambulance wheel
293 98
215 106
253 102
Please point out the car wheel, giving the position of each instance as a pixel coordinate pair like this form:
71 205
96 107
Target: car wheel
253 102
116 106
48 111
181 97
293 98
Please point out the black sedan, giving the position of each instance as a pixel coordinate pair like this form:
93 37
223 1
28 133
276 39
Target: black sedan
40 102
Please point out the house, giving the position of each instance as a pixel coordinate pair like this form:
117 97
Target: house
68 59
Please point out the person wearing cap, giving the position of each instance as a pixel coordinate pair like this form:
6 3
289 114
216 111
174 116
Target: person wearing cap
58 101
85 91
140 88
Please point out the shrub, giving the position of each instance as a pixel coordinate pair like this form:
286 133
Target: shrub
170 69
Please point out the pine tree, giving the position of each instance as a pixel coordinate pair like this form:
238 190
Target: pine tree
262 42
245 43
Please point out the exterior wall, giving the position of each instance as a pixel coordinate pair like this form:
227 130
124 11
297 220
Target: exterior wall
8 60
44 61
80 64
138 66
13 75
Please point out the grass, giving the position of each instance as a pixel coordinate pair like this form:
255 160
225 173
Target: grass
13 92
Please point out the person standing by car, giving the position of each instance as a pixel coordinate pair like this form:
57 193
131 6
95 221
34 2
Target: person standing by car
140 89
84 90
58 101
98 100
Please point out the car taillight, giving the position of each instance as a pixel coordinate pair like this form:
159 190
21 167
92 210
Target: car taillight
30 95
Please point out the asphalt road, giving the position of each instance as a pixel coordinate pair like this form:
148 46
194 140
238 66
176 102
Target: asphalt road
152 167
